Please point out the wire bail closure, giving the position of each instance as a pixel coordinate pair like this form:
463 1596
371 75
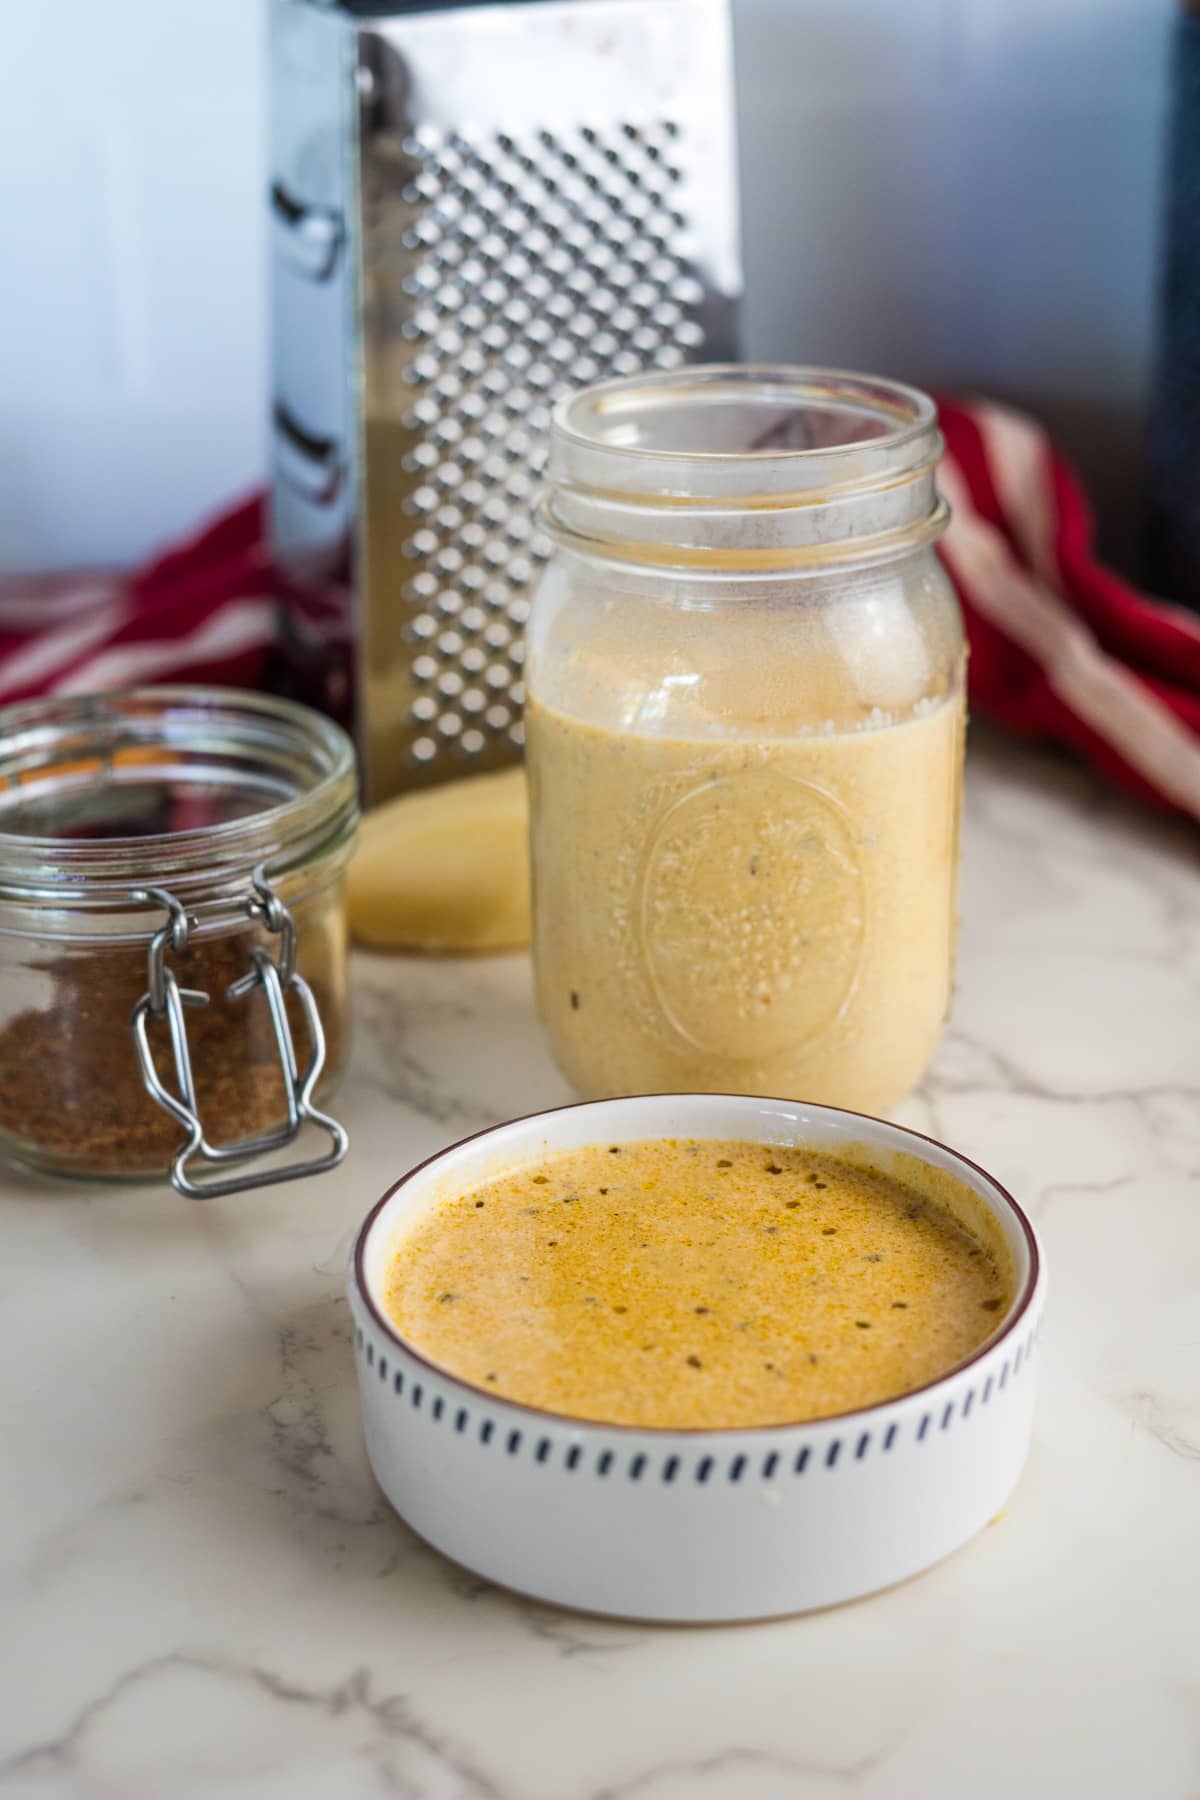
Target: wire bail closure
164 998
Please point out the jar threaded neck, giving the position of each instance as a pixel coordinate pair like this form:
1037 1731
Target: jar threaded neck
745 469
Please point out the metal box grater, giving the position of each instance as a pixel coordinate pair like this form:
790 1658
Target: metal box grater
473 209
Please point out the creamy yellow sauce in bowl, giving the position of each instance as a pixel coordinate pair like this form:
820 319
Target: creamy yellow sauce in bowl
700 1284
694 1356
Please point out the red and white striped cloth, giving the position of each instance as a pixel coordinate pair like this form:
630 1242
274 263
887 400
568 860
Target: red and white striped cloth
1061 650
205 612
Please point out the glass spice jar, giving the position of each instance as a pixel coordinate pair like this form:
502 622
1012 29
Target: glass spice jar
173 992
744 723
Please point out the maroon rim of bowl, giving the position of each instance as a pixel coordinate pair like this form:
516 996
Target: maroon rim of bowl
1006 1330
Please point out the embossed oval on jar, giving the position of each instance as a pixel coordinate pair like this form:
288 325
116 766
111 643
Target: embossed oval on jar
752 914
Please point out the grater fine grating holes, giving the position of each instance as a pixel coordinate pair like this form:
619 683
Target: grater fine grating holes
539 263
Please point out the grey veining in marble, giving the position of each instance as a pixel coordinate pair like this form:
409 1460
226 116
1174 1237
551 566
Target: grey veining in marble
204 1593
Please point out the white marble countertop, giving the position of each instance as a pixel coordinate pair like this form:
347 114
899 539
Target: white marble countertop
204 1592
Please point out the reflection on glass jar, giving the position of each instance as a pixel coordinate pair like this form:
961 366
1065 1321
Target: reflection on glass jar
745 731
196 794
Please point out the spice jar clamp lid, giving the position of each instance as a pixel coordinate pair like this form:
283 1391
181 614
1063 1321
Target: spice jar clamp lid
160 817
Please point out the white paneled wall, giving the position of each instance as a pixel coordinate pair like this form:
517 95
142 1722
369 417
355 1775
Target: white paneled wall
132 341
960 191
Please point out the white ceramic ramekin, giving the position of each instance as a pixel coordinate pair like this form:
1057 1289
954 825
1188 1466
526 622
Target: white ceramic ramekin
691 1525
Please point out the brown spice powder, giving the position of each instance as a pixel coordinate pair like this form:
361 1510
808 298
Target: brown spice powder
71 1093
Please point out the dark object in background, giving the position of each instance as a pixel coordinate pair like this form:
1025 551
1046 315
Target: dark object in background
472 210
1173 500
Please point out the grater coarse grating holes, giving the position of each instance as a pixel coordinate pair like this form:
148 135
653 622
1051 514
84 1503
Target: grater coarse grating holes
556 287
474 211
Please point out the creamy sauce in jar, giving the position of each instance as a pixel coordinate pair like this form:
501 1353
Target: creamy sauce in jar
748 914
702 1283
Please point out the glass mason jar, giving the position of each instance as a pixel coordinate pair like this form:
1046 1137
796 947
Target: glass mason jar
173 995
745 724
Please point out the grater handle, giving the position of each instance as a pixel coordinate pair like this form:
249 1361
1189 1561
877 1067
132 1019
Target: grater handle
310 465
309 238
